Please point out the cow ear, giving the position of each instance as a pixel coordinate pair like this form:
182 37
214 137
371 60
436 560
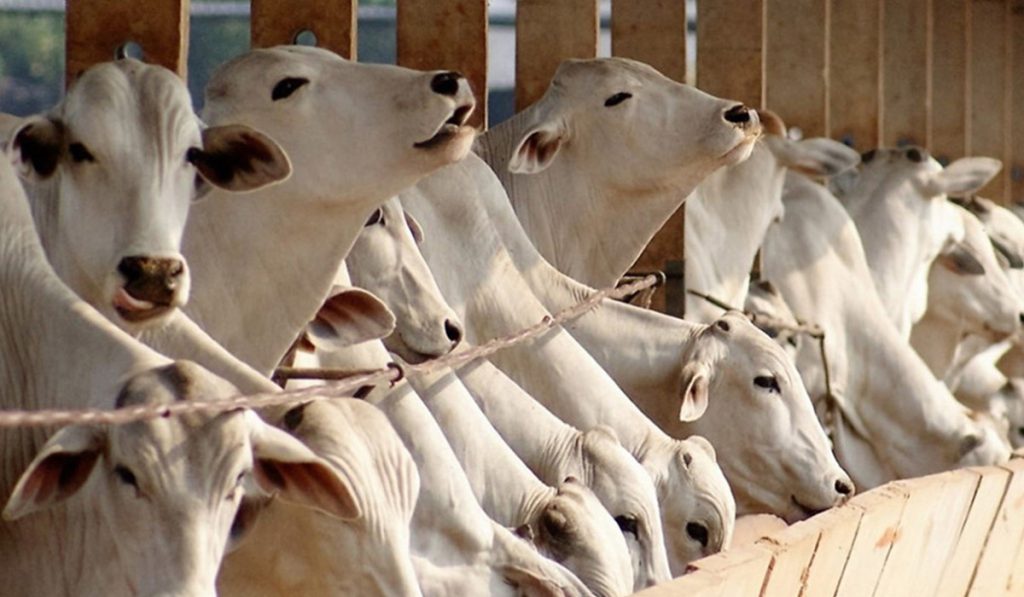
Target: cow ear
286 467
350 316
414 227
538 148
960 260
695 391
963 177
36 147
816 157
59 470
1013 258
238 158
530 584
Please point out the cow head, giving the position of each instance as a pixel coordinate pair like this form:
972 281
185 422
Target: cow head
752 405
631 127
116 165
357 133
386 261
167 489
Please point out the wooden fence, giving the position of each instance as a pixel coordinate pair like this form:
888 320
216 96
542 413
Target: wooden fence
936 73
953 534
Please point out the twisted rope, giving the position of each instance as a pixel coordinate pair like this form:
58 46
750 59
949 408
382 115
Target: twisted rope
347 381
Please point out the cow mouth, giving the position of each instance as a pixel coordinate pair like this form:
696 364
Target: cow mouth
136 310
449 129
802 512
396 344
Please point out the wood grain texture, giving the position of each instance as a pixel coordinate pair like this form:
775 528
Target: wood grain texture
276 22
906 74
796 63
854 63
730 44
97 28
447 35
990 89
1016 164
546 34
950 79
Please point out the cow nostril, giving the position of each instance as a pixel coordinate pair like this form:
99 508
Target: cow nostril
446 83
453 330
1020 317
844 487
176 269
131 268
738 114
698 533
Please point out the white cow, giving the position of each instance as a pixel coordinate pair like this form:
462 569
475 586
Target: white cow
654 357
143 508
294 551
815 257
112 171
728 214
898 202
596 166
969 292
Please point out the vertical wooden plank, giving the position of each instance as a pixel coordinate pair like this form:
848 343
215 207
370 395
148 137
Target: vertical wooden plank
546 34
1004 540
730 43
854 82
879 529
906 72
450 35
989 87
651 31
654 31
1016 164
950 79
795 63
276 22
95 29
838 528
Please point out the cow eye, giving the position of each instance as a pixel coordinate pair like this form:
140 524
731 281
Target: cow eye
627 524
192 155
79 153
617 99
287 86
377 217
768 382
126 476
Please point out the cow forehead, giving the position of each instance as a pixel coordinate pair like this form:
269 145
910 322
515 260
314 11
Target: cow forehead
583 72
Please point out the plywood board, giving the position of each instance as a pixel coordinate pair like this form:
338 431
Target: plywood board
546 34
838 528
742 571
795 63
1004 540
448 35
878 531
333 22
730 42
854 83
950 77
794 553
906 75
990 88
97 28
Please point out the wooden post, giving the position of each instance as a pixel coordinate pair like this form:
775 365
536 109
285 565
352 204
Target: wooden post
333 22
97 28
730 43
906 72
1016 164
450 35
546 34
990 88
796 63
950 79
654 31
854 85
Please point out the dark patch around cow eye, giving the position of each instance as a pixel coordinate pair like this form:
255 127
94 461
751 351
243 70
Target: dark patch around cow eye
193 154
126 476
627 524
697 532
617 99
80 154
915 155
768 382
377 217
723 325
287 86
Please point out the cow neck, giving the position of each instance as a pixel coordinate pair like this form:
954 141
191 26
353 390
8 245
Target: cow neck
542 440
479 279
448 525
260 253
592 231
812 254
508 491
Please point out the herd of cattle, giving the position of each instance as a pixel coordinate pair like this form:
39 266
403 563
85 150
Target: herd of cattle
335 214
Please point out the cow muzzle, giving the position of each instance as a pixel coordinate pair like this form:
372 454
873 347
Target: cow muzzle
152 287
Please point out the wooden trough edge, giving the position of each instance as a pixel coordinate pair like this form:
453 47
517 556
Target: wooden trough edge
953 533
